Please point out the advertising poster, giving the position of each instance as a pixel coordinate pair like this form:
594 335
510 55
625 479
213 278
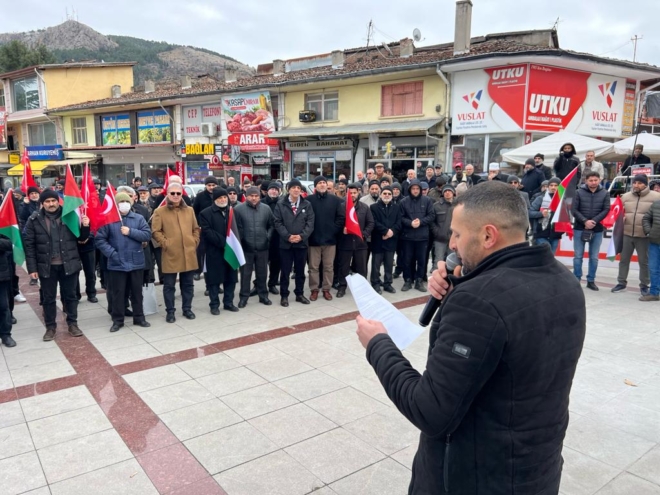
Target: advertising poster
154 127
628 124
116 129
249 119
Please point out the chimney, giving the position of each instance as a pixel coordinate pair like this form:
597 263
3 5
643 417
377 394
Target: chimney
337 59
463 27
186 82
230 74
406 48
278 67
149 86
115 91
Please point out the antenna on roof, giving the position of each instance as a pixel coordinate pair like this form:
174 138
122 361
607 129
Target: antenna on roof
417 35
556 24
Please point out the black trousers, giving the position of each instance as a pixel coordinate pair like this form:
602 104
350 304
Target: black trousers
88 260
414 255
274 265
201 253
359 258
227 298
257 262
120 286
378 259
186 285
5 313
290 258
67 285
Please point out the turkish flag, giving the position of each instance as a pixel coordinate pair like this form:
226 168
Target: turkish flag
615 209
352 224
109 211
92 205
28 179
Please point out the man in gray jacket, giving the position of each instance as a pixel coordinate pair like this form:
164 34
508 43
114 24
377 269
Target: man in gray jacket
255 224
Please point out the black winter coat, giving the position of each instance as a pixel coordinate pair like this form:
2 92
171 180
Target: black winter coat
25 211
288 224
651 223
202 201
492 405
274 248
545 170
36 241
255 226
411 208
386 217
590 206
531 181
6 266
213 223
441 227
642 159
329 218
351 242
564 165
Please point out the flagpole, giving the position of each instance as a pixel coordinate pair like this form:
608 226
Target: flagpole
114 200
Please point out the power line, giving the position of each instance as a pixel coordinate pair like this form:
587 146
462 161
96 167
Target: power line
614 50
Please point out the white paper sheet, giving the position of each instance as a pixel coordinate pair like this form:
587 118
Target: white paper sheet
373 306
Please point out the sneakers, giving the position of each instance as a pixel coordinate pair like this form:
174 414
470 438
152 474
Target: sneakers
619 288
593 286
406 286
649 297
49 335
19 298
74 331
644 290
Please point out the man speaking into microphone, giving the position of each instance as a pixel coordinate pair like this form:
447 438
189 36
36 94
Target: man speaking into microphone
492 405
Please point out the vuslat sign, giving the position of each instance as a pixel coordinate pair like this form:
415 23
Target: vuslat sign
41 153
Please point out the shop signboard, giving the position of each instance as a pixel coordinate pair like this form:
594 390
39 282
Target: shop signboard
3 133
533 97
154 127
42 153
193 116
628 124
180 170
330 144
116 129
641 170
14 158
198 152
249 119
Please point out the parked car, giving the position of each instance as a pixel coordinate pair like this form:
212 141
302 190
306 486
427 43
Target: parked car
308 186
193 189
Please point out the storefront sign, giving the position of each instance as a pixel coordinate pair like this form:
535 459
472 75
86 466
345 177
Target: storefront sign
197 172
41 153
249 119
3 133
641 169
116 129
319 145
193 117
154 127
14 158
180 170
532 97
629 109
198 152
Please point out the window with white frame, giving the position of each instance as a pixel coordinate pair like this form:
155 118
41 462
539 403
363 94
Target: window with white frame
2 96
25 94
42 134
79 130
325 105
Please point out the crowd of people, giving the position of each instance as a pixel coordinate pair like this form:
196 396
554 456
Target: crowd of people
286 233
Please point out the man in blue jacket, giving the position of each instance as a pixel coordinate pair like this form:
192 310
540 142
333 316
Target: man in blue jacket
121 242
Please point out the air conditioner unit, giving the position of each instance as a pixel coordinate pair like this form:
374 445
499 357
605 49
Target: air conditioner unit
209 129
307 116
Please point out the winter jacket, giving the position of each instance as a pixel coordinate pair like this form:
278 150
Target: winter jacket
368 200
416 207
202 201
213 222
24 212
531 181
636 206
255 224
589 205
525 198
175 229
274 249
492 405
435 194
500 177
631 161
124 252
351 242
651 223
36 241
329 218
536 221
545 170
565 163
386 217
6 268
441 227
288 224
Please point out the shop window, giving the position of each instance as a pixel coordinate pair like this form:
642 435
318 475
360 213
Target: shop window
471 152
326 105
402 99
498 144
79 129
2 97
42 134
26 94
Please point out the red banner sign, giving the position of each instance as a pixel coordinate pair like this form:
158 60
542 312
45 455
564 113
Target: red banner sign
252 141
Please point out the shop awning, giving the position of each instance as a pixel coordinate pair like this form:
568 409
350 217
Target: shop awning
367 128
39 167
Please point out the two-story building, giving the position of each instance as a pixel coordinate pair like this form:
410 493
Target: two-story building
27 94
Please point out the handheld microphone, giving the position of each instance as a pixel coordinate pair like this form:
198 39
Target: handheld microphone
433 304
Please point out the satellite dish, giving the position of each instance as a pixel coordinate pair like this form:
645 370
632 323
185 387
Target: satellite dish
417 34
387 48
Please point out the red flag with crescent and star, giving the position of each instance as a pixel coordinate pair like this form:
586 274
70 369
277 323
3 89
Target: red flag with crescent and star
109 211
92 207
352 224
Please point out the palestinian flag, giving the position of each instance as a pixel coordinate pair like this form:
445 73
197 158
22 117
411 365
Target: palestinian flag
562 202
72 202
9 227
233 249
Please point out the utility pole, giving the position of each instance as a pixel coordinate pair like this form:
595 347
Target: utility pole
635 39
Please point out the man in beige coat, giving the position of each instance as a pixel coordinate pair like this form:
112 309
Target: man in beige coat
636 203
174 227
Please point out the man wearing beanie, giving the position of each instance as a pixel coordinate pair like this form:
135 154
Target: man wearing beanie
273 196
255 225
441 228
51 255
121 243
540 218
233 194
175 229
384 236
328 222
29 205
203 200
213 221
532 178
294 222
636 204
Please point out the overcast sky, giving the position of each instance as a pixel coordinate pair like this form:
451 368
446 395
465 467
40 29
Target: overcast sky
258 31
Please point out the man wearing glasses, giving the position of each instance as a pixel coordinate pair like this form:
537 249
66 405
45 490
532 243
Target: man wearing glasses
384 237
175 229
